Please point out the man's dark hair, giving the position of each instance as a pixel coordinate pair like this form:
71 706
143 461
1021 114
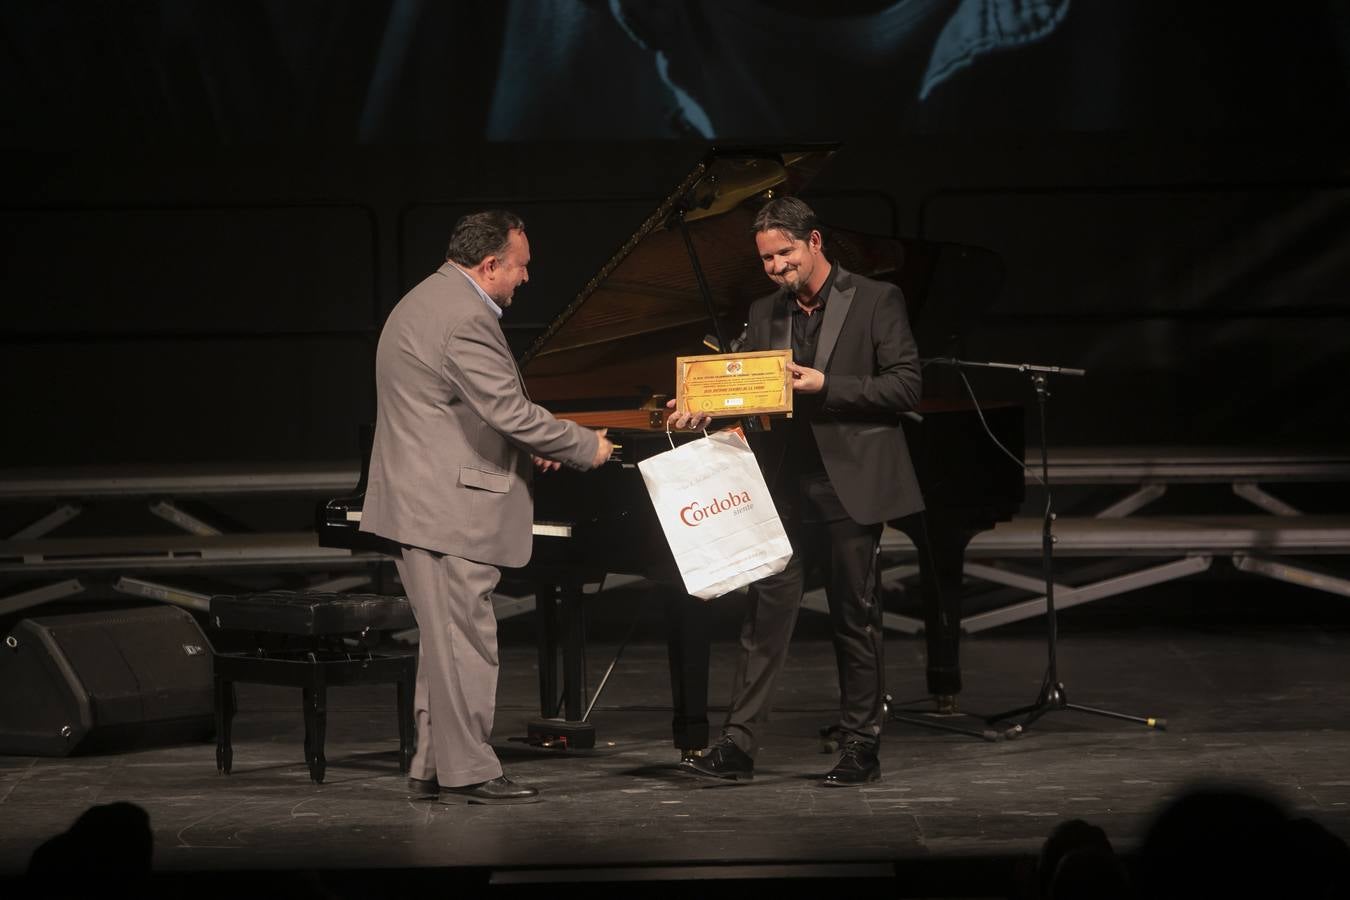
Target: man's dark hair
789 215
482 234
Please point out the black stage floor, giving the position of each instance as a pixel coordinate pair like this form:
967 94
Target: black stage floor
1260 704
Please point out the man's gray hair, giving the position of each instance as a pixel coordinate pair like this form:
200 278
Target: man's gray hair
482 234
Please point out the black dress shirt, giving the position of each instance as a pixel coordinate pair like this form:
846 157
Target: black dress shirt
803 456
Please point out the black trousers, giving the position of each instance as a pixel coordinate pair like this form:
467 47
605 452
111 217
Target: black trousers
823 536
768 625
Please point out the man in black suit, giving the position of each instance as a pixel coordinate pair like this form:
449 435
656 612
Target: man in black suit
838 470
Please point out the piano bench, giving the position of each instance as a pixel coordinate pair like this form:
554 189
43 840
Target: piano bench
323 642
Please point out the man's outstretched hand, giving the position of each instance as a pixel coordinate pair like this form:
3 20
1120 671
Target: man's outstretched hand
604 450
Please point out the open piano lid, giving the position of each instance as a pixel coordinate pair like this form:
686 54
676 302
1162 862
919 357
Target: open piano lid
614 346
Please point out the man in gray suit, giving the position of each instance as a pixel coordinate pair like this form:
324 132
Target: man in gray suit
838 469
450 481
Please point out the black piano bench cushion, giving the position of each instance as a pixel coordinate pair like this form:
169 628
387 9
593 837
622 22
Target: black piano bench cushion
311 613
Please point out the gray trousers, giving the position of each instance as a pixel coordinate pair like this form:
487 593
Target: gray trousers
456 695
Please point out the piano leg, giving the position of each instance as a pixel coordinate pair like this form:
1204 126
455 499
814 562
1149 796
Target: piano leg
573 641
941 548
561 624
688 645
407 721
546 625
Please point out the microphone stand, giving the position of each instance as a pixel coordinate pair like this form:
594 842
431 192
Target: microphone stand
1052 695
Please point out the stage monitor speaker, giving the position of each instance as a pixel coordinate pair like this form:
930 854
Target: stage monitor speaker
104 681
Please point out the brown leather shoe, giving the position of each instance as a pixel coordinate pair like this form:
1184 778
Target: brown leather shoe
858 764
423 787
498 790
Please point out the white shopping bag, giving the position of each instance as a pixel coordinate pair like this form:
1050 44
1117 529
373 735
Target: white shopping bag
717 514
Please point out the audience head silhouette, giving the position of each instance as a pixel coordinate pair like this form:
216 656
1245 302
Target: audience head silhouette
107 844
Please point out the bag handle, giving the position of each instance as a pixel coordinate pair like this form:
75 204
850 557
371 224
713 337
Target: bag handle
670 437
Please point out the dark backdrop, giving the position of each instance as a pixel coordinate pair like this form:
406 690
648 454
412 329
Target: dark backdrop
210 206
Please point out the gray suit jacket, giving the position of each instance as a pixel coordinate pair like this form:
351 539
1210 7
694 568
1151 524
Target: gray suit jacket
450 470
871 363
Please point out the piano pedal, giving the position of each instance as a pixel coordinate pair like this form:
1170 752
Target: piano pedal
946 705
560 734
831 739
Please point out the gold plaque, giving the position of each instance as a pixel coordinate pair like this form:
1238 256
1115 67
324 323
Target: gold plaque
734 384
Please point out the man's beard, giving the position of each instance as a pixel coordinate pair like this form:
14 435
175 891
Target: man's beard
794 286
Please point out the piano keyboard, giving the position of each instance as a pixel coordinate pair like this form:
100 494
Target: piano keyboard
539 529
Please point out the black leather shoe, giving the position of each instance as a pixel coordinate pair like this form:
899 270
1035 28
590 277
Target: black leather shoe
723 760
423 787
858 764
498 790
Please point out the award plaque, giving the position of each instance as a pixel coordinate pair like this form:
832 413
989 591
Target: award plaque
734 384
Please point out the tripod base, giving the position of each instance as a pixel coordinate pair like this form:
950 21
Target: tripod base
1052 698
944 707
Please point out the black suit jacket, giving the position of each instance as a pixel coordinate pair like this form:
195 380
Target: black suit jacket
867 351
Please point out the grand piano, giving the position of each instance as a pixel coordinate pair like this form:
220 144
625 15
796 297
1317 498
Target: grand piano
681 284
